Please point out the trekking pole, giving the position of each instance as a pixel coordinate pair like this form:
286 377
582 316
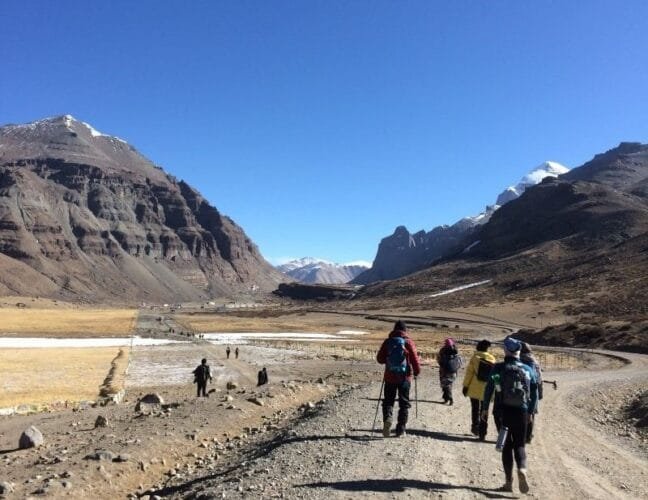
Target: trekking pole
373 427
416 396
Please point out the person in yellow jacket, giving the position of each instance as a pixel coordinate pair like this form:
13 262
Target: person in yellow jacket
474 383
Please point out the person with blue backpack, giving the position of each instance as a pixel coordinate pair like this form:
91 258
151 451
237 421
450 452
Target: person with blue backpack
398 354
514 387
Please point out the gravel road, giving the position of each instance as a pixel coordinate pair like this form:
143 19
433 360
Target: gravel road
331 452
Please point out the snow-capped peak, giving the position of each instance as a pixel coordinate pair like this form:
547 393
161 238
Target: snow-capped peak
68 122
535 176
312 270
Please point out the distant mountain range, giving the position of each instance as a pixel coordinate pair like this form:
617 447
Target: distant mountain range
578 241
317 271
84 216
403 252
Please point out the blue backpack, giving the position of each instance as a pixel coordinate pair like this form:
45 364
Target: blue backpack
396 358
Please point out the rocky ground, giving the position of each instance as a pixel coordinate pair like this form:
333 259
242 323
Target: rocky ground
331 450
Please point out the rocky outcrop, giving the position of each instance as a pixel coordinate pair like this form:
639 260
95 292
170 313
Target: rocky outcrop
403 253
88 217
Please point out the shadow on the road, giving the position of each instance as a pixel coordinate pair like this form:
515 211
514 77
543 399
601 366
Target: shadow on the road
5 452
412 401
441 436
399 486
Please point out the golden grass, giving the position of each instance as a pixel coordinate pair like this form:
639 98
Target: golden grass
33 376
67 322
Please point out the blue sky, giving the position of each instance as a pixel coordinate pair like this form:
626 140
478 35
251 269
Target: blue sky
320 126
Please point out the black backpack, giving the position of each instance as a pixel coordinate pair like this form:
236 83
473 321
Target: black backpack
484 369
451 361
201 373
516 386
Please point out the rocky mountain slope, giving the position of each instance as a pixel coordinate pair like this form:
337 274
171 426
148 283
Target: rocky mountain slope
317 271
403 253
580 239
85 216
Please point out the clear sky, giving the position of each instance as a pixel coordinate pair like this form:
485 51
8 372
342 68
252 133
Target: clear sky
320 126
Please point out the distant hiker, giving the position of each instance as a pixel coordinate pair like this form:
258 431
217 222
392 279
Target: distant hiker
236 351
527 357
262 377
227 351
449 364
516 394
202 374
474 382
398 354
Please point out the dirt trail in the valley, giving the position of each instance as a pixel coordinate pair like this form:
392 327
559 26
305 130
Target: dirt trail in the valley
333 453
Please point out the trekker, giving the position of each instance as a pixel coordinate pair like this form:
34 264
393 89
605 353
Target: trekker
527 357
227 351
398 354
474 382
236 351
516 395
202 374
449 364
262 377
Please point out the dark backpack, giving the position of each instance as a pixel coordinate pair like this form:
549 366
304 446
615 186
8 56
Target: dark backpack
515 385
396 358
484 369
451 362
201 373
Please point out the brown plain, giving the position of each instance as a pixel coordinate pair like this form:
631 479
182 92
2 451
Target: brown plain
63 322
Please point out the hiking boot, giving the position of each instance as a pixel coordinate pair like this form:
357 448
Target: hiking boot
387 428
450 401
508 486
522 479
475 430
400 431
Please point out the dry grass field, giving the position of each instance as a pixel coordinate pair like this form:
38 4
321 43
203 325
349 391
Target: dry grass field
33 376
66 322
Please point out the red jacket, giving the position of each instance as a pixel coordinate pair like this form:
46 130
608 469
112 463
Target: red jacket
413 362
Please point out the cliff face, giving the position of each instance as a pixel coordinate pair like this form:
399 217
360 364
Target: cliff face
87 217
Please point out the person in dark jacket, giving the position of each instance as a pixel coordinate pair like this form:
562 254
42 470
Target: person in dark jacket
202 374
398 354
449 363
527 357
514 416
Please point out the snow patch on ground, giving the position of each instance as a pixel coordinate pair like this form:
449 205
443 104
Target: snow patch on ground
40 342
244 338
456 289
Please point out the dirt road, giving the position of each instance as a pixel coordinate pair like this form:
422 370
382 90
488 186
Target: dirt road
333 453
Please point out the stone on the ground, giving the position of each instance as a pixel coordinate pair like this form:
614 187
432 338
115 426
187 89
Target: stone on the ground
231 385
6 487
101 455
100 421
122 457
149 401
31 438
256 401
229 398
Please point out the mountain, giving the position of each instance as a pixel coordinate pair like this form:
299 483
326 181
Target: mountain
579 240
86 217
403 253
316 271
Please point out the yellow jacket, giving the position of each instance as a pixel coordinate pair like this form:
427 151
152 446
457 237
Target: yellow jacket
475 386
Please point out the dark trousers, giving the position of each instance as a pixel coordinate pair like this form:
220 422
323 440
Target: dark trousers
403 390
479 426
202 387
516 421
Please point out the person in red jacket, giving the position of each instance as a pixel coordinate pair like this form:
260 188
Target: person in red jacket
398 354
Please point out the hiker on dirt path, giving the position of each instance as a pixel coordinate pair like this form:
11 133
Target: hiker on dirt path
449 364
227 351
527 357
516 394
474 382
398 354
236 352
202 374
262 377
